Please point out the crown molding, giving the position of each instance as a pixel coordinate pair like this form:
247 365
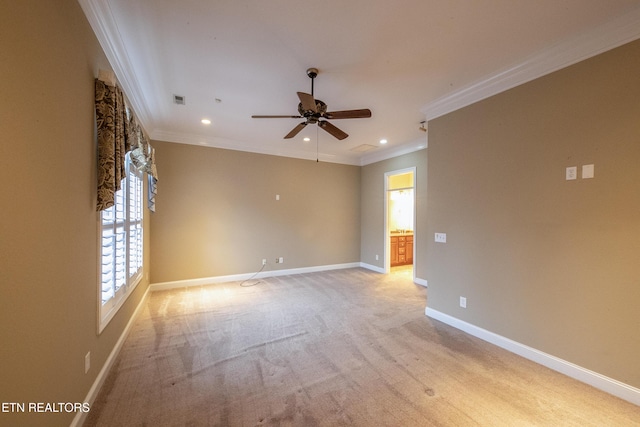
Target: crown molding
104 26
621 30
612 34
230 144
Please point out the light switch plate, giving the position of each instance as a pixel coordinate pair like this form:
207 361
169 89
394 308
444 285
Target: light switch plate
587 171
572 173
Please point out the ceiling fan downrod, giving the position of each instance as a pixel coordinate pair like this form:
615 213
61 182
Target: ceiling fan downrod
312 73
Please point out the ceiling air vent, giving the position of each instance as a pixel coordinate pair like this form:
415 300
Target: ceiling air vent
364 147
178 99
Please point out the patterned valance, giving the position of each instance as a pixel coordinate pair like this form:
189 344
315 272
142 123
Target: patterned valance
118 134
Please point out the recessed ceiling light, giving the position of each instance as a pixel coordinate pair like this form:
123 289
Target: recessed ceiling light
206 121
383 141
306 139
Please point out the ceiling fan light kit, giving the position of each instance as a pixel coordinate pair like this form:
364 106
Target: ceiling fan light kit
314 111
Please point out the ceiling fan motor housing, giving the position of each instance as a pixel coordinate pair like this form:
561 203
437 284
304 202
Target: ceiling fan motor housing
313 116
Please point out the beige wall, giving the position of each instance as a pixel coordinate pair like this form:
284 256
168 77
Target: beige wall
372 195
549 263
217 213
48 223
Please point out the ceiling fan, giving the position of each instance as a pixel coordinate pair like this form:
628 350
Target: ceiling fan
315 111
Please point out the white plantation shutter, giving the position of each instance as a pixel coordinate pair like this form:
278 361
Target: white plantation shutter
135 221
121 244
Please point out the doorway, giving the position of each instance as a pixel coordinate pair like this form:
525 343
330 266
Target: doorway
400 217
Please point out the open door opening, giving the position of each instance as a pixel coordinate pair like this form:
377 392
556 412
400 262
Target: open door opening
400 202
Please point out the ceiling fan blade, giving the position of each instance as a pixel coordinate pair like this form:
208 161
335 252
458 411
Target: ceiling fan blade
332 130
295 130
349 114
307 101
276 117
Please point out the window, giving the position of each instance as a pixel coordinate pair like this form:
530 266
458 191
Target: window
121 245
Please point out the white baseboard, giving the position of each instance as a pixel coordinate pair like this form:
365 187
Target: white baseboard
609 385
421 282
80 417
162 286
372 267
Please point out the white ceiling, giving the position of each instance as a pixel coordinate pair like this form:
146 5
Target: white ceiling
406 60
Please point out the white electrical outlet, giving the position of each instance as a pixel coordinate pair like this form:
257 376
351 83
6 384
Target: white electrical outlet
571 173
264 261
281 260
87 362
463 302
377 257
441 237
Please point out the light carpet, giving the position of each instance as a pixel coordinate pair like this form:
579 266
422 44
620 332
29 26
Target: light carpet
339 348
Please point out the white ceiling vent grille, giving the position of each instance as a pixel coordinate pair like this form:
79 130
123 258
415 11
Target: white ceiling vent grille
364 147
178 99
